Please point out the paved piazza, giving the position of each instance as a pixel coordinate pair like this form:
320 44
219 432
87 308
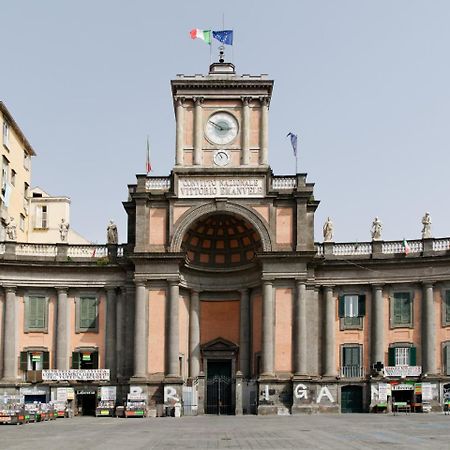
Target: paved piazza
352 431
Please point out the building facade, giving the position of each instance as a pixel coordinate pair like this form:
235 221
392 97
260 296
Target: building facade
220 300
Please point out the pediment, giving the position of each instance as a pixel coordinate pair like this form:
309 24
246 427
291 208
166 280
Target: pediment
220 345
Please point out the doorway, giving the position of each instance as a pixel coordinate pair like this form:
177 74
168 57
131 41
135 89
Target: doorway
86 404
351 399
219 387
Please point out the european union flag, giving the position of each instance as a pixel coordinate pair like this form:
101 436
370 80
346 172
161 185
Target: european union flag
224 36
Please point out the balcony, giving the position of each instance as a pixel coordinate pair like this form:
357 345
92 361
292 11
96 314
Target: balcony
402 371
352 371
33 376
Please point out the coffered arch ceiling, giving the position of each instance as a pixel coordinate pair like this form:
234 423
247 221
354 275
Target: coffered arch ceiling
221 241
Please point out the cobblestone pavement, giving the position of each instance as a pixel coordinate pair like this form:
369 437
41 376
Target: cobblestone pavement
349 431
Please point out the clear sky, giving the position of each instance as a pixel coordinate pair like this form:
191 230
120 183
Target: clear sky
365 84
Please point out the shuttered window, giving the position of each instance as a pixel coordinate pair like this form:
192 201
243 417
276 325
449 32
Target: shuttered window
447 359
351 309
402 309
351 356
88 311
35 313
402 356
447 308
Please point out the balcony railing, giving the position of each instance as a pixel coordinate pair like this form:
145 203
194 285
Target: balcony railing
157 184
352 372
284 183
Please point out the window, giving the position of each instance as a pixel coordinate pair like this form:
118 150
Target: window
351 361
87 314
401 311
5 176
36 311
402 356
26 161
5 134
13 177
34 360
446 360
85 359
41 220
351 310
22 222
446 308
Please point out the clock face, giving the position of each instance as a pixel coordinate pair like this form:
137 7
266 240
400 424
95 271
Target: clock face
221 128
221 158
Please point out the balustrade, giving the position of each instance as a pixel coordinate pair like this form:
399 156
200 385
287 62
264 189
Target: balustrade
284 183
157 184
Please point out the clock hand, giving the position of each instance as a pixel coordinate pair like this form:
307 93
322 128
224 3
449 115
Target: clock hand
215 124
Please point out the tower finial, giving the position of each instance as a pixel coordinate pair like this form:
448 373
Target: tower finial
221 54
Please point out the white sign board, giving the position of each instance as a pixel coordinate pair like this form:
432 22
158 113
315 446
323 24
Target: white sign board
75 375
221 187
382 392
427 391
108 393
402 371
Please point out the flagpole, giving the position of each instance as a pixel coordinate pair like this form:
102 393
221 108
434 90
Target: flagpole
296 161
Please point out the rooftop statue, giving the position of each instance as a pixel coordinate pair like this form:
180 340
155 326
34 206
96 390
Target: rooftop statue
426 222
377 227
63 230
111 233
328 230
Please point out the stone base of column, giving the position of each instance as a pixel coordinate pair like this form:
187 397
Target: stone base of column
275 396
238 407
173 396
201 394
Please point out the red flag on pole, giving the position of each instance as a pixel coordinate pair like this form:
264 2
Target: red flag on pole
148 164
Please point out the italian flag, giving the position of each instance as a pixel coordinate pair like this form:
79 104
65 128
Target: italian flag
205 35
406 247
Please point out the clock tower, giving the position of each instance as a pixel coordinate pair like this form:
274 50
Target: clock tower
221 119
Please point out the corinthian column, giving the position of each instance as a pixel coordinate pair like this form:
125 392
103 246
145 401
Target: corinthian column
245 132
198 131
264 130
10 333
244 333
377 325
329 335
110 337
429 330
140 331
62 331
194 335
267 330
180 131
173 332
300 329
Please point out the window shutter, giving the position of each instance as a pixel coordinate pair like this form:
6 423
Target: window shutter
412 356
24 361
94 357
40 312
75 360
397 310
447 307
84 319
92 313
391 356
31 313
341 306
45 360
406 316
361 305
447 359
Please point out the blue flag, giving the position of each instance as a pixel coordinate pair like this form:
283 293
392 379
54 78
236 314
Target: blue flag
293 142
224 36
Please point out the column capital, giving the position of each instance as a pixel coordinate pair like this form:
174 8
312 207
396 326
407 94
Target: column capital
179 101
10 288
111 287
62 289
173 281
246 100
428 284
264 101
267 281
140 283
198 100
328 288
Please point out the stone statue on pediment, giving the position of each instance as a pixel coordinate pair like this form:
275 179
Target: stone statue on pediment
377 227
328 229
111 233
426 229
11 231
63 230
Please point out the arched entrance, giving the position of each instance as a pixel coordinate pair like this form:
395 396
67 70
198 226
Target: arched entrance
221 266
352 399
